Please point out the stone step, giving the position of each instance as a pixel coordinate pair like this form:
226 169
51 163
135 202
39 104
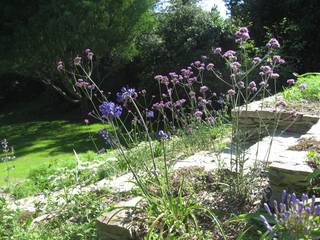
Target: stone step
115 224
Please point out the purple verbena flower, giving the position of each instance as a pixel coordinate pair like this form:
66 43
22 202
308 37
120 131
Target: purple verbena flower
274 75
290 81
210 66
60 66
231 92
198 114
242 34
273 43
235 66
302 86
204 89
217 50
179 102
256 60
229 54
77 60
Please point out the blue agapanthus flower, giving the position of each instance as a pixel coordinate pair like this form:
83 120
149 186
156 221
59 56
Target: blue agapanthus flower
162 135
110 110
125 93
105 135
150 114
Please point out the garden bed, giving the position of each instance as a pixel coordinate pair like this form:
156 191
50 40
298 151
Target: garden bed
207 189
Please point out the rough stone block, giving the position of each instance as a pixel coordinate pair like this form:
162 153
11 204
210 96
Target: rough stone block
115 225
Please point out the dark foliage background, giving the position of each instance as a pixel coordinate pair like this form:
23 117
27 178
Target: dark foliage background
135 40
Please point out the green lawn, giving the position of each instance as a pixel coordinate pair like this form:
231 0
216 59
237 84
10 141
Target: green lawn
39 142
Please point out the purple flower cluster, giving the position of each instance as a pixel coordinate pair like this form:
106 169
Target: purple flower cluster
302 86
198 65
60 66
293 215
290 81
252 86
84 84
77 61
242 35
281 104
230 54
110 110
89 54
277 59
235 67
231 92
265 70
180 102
217 50
273 43
256 60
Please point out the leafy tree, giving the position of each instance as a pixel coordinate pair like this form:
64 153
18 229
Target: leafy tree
36 34
183 34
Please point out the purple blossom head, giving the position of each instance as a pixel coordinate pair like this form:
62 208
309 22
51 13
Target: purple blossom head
77 60
302 86
266 70
252 84
217 50
89 53
110 110
60 66
241 84
263 84
230 54
273 43
231 92
256 60
198 114
290 81
81 83
242 34
204 89
277 59
211 120
158 77
274 76
179 102
158 105
235 66
210 66
281 104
